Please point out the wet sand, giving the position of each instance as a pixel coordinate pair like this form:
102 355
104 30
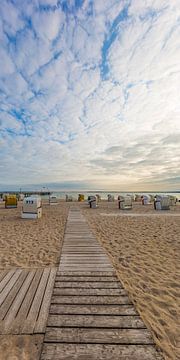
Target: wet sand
145 251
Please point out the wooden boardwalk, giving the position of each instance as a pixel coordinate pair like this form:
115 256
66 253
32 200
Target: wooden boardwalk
91 316
25 297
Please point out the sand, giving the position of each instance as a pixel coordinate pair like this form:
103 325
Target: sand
145 251
144 248
31 243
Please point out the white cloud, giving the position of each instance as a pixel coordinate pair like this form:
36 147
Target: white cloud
95 89
6 64
48 24
12 22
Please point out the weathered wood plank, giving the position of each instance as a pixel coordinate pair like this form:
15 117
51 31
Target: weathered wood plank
93 309
90 300
105 352
75 256
87 292
95 321
106 267
83 273
10 316
98 336
85 267
19 322
83 260
86 260
10 298
88 285
35 306
96 278
77 251
43 313
3 273
83 247
6 278
8 292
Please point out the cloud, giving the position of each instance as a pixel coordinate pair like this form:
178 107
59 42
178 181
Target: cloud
89 92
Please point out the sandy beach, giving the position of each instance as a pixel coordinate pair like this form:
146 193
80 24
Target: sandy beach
145 251
143 245
31 243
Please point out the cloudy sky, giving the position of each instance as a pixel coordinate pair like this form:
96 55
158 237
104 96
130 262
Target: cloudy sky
90 93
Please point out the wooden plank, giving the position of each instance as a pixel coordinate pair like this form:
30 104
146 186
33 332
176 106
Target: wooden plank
90 300
87 292
88 285
85 278
96 321
6 278
74 256
9 286
80 268
3 273
20 277
86 260
82 273
93 265
44 310
81 244
93 309
78 236
35 306
83 259
80 247
98 336
105 352
10 316
19 322
76 250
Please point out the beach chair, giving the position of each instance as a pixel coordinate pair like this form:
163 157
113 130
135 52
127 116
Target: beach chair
81 197
53 200
172 200
32 207
93 201
146 199
125 202
162 202
110 197
69 198
10 201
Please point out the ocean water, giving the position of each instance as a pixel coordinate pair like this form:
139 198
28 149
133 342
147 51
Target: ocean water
62 194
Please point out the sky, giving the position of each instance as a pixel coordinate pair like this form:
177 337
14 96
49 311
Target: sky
90 94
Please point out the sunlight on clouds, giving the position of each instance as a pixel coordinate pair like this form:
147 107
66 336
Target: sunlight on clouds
89 92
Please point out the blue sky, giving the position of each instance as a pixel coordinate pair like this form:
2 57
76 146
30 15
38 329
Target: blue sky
89 93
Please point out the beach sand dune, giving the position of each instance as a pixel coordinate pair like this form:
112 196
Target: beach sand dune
145 252
31 243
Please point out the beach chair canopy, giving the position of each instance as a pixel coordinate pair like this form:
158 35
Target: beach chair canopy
110 197
162 202
125 202
69 198
146 199
92 200
81 197
31 204
10 201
